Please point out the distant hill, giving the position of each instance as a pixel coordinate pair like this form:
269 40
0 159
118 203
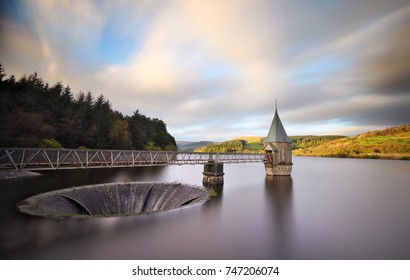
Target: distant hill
254 144
188 146
231 146
390 143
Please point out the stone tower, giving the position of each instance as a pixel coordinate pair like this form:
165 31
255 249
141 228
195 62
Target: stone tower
278 151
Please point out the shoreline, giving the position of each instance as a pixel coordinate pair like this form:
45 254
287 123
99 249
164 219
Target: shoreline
9 174
404 157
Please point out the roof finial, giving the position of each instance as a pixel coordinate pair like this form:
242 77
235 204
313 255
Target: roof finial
276 105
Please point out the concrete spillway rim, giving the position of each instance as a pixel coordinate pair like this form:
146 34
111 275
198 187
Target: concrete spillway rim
30 205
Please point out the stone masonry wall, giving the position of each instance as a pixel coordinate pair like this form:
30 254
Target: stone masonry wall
284 148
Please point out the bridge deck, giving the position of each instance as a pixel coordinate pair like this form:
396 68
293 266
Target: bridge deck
52 159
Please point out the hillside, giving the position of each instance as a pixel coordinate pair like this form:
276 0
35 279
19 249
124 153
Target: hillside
230 146
390 143
188 146
254 144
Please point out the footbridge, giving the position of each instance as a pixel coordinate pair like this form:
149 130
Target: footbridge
53 159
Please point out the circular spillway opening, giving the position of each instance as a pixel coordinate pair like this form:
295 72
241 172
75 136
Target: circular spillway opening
114 199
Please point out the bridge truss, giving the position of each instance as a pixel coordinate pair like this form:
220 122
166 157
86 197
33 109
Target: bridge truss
52 159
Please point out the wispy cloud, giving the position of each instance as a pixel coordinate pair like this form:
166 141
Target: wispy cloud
212 69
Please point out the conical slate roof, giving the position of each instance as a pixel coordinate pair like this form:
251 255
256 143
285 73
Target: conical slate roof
277 132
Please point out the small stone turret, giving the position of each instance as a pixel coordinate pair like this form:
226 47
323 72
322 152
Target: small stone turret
278 150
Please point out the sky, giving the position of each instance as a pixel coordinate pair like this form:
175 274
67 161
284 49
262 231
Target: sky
212 70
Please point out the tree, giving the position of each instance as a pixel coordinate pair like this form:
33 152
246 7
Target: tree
32 111
103 121
50 143
2 72
138 130
24 129
120 136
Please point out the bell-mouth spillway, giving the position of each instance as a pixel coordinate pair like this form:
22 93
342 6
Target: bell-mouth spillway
113 199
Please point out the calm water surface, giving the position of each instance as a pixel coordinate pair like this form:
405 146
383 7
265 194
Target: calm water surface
328 209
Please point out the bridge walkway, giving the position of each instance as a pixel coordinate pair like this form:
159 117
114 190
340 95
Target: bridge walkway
53 159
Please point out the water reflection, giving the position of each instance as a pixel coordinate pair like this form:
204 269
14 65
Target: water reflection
279 205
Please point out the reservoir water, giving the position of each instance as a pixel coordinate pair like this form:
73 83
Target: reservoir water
328 209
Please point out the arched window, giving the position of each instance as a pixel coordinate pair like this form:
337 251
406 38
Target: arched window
281 155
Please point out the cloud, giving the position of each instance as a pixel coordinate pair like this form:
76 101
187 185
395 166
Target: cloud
186 70
369 88
240 31
20 46
212 69
66 25
388 66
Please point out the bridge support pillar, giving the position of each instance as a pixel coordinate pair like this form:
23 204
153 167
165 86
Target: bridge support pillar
213 173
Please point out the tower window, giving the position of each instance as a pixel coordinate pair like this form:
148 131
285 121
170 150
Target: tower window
281 155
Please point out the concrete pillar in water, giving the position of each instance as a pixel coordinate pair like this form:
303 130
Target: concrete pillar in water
213 173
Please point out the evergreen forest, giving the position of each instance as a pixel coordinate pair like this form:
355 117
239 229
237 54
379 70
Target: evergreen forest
36 114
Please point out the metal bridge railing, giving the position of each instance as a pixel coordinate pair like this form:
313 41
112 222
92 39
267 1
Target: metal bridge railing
49 159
